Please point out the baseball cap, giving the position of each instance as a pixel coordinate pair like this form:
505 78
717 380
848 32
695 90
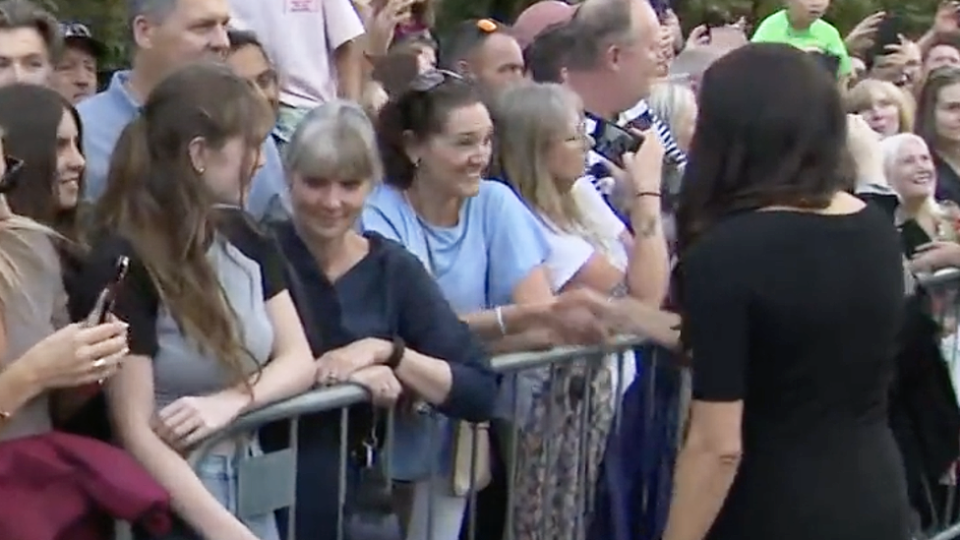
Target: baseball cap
540 16
75 32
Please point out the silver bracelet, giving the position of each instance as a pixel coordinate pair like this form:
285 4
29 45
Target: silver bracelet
503 327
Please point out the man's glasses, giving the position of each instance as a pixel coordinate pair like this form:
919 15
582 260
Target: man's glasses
429 80
11 175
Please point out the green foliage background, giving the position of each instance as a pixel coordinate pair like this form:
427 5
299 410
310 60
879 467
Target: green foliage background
106 17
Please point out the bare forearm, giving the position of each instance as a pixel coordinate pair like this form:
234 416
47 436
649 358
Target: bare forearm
349 61
661 326
190 498
285 376
701 485
516 319
427 376
529 340
17 387
649 270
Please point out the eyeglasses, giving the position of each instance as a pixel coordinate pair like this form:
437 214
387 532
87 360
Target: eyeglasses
11 175
429 80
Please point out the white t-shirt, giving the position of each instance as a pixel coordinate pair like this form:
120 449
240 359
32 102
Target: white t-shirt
602 232
605 226
301 36
570 251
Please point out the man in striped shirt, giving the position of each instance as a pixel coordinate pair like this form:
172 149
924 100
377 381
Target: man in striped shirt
547 33
611 64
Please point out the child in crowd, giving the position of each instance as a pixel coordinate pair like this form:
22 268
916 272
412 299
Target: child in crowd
800 24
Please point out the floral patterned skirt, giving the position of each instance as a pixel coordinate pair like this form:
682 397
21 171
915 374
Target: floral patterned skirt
559 447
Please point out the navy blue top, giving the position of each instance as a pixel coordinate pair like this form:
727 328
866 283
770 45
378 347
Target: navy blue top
389 293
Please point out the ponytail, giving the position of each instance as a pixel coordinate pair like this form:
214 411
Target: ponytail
419 114
391 130
131 161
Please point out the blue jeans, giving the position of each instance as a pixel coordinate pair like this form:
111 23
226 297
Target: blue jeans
219 474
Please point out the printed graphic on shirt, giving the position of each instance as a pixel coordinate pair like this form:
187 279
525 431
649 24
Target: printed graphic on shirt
302 6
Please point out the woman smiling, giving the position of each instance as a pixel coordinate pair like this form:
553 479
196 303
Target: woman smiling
384 325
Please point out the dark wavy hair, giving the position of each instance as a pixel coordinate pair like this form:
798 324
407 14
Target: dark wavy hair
771 131
30 116
419 113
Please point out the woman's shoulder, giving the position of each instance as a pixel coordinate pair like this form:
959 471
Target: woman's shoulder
499 204
496 190
394 254
758 233
100 263
384 196
108 246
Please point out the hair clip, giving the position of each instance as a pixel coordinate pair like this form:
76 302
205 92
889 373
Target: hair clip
487 26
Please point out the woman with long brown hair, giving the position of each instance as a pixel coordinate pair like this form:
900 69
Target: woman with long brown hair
938 122
43 129
213 329
791 293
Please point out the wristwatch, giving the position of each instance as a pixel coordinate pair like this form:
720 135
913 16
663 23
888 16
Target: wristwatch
396 355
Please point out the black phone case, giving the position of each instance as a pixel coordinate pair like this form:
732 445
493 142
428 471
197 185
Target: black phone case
611 142
912 236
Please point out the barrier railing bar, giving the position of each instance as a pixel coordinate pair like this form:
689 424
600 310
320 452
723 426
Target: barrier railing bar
945 276
949 534
346 395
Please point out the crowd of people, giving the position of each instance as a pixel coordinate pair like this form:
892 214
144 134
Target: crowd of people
279 196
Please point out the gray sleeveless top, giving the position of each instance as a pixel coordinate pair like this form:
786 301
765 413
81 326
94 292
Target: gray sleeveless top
179 368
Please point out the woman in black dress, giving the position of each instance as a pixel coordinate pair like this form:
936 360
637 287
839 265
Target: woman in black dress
791 295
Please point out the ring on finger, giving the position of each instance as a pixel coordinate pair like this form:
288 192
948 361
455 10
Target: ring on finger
99 363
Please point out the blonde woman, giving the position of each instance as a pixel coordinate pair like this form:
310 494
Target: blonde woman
923 221
35 357
887 109
541 149
675 104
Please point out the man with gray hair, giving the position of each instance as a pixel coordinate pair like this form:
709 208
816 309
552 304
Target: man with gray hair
611 63
166 35
613 58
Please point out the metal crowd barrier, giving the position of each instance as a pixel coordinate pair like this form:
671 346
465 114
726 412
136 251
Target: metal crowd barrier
564 406
554 464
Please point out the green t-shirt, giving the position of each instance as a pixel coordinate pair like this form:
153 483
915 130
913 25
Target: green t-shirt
820 36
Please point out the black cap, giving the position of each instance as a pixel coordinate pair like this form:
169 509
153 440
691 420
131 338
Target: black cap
75 32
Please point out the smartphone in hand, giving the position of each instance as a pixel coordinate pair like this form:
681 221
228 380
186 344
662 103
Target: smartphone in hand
612 141
108 296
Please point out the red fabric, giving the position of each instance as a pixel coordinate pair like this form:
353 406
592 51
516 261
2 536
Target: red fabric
59 486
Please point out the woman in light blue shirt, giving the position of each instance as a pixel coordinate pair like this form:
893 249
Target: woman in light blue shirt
478 240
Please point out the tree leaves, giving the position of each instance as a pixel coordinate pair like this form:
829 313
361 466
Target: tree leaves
107 18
